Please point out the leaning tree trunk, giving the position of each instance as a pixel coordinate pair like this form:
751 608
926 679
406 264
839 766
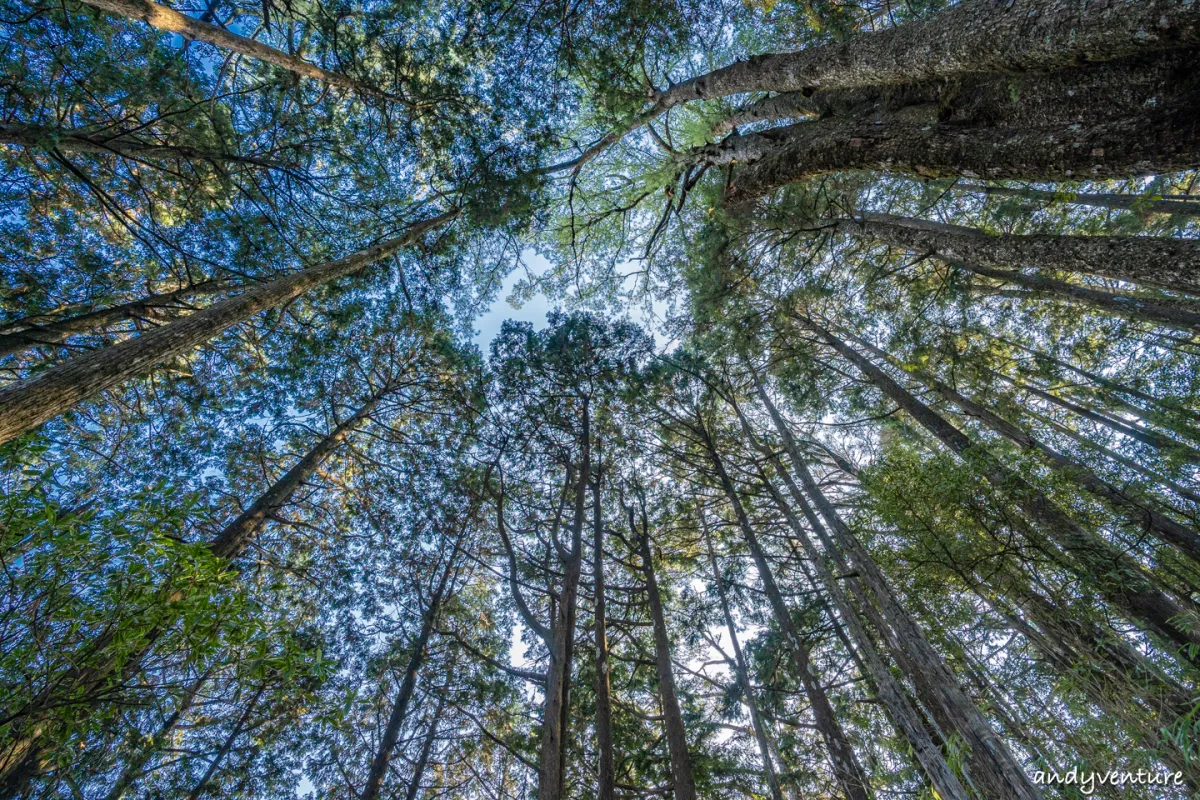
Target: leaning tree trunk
1121 581
846 768
168 19
1142 144
1136 509
414 782
1162 262
56 332
741 669
18 762
26 405
391 734
991 765
974 36
1184 205
684 785
200 787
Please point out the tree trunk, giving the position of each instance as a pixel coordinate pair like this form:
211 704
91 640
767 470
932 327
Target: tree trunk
606 768
1121 581
414 783
57 331
681 765
849 772
391 734
1136 509
972 37
135 765
1143 144
991 766
1165 263
741 670
168 19
215 764
26 405
1184 205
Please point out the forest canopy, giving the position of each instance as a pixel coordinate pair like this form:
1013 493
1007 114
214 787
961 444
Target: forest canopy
859 457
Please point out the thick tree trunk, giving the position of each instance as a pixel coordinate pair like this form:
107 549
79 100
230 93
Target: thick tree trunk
1172 264
1136 509
168 19
28 404
681 765
606 768
741 670
391 734
974 36
991 766
1120 580
846 767
155 307
1183 205
67 141
1143 144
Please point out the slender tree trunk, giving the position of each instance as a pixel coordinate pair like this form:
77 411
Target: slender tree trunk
26 405
741 669
606 768
391 734
414 783
846 767
1172 314
1143 144
136 763
29 724
681 765
168 19
1121 580
1184 205
1166 263
68 141
974 36
230 740
57 331
1136 509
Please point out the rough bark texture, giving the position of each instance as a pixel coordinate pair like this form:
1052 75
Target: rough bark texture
974 36
1152 143
846 767
1152 261
1120 580
168 19
992 767
155 308
26 405
681 764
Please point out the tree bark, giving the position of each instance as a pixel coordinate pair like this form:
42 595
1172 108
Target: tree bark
606 768
683 783
1136 509
972 37
168 19
1120 580
741 670
846 767
1183 205
57 331
991 766
1143 144
28 404
391 734
1172 264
